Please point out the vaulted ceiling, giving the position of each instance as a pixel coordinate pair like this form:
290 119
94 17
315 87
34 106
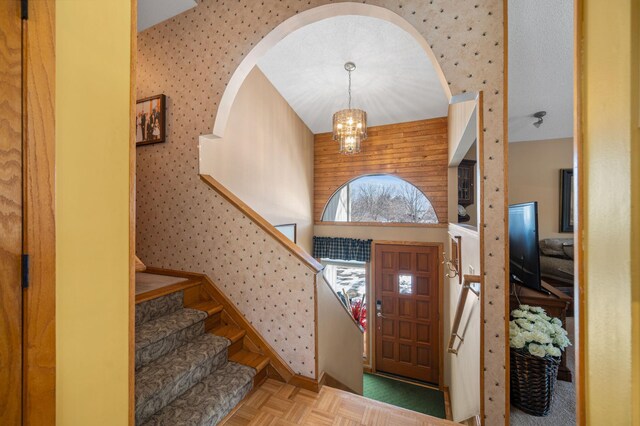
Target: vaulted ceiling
394 81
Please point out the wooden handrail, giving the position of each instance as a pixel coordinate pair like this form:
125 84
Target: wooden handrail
294 249
462 300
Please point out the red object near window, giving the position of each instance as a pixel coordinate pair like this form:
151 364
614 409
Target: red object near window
359 313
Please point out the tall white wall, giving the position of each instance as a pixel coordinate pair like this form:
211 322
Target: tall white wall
266 157
462 371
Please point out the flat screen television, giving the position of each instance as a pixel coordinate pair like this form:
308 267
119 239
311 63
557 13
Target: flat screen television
524 252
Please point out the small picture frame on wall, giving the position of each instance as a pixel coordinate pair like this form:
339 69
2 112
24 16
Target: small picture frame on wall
289 230
566 200
150 120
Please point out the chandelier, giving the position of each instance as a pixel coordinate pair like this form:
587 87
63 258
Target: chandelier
350 125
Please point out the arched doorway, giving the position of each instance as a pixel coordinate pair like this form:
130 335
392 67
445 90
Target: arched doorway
296 22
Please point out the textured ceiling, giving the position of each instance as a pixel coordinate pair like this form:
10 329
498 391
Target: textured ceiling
152 12
394 81
540 68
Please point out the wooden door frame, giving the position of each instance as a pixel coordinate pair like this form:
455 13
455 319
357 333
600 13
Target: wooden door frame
371 294
132 210
579 294
39 300
12 211
39 341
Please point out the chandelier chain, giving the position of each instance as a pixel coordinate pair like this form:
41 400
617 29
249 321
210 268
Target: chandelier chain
349 89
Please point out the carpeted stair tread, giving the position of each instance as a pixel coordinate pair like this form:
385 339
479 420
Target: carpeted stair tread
161 335
231 332
250 359
209 401
159 328
209 306
156 308
165 379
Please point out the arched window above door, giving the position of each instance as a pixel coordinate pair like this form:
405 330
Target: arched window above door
379 198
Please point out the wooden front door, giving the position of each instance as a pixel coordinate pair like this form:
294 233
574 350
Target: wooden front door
10 213
406 313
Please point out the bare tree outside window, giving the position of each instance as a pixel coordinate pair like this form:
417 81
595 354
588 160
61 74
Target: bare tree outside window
372 203
418 209
383 198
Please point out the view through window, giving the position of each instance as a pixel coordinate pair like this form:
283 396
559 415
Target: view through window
379 198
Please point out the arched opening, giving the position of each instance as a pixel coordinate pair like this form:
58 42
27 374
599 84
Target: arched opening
298 21
252 153
301 63
466 69
379 198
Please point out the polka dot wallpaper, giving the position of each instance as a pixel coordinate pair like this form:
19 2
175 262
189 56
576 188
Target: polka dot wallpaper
183 224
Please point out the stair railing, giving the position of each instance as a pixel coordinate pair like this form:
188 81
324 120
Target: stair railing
294 249
462 300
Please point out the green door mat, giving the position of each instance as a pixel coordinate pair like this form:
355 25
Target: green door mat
405 395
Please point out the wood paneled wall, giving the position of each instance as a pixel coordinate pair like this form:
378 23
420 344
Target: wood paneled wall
415 151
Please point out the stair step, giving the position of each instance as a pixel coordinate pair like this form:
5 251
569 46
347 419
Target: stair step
161 335
250 359
163 291
211 307
231 332
156 308
209 401
168 377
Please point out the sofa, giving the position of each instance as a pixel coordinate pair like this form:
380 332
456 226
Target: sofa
556 261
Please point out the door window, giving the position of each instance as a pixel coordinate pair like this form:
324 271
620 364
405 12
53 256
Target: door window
405 284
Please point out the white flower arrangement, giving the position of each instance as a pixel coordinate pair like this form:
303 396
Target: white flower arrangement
532 330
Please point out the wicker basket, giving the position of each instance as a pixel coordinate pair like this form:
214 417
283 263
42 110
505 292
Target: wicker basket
532 382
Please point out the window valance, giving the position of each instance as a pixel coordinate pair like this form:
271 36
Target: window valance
342 249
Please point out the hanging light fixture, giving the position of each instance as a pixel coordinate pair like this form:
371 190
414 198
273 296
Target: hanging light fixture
539 116
350 125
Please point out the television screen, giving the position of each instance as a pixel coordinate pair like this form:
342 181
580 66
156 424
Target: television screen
524 255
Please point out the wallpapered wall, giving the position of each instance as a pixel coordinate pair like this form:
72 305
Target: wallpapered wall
192 57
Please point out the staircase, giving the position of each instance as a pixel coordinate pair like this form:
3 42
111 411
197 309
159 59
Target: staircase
193 362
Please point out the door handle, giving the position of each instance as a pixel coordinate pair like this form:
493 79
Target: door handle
379 309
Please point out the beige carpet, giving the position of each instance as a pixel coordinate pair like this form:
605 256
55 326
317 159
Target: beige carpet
563 409
146 282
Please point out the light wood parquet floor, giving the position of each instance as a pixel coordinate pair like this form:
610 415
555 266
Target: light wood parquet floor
276 403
